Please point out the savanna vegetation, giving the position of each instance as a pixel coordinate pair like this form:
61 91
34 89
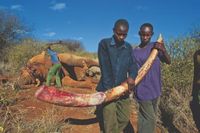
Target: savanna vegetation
176 114
16 47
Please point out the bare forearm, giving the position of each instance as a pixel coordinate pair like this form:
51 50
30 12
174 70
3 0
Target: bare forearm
167 58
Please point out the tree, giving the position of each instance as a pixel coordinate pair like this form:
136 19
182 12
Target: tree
11 29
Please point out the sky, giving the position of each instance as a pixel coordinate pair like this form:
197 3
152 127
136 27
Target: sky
89 21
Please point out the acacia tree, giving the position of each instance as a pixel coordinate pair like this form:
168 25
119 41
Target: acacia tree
11 29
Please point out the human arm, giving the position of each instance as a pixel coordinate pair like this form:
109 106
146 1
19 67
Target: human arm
133 72
105 66
162 50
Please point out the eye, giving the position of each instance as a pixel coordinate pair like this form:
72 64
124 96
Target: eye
121 34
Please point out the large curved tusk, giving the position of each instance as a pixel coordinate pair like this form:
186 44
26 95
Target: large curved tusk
68 99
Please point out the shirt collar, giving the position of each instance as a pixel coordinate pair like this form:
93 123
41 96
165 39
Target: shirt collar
113 43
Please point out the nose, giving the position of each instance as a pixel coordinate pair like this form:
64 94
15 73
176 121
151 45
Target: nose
145 37
122 36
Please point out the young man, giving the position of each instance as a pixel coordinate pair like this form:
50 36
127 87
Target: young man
55 69
149 89
116 66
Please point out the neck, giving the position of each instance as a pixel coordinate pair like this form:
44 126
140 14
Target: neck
142 45
118 43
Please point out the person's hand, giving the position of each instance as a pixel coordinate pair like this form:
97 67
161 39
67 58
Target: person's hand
131 84
160 46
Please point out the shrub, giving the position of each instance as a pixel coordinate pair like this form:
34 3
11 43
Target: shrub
177 86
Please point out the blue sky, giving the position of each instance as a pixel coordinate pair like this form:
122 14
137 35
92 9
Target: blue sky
91 20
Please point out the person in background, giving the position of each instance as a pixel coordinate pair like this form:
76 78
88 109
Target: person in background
55 69
148 90
195 102
116 66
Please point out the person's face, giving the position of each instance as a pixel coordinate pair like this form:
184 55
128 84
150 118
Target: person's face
120 33
145 35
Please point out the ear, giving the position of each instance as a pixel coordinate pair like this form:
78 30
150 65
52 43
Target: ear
152 33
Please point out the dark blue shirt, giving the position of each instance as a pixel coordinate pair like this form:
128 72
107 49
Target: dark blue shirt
116 63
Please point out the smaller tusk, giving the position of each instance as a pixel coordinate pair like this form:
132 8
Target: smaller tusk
38 82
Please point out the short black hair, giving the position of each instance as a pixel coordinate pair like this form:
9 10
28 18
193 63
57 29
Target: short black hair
147 25
119 22
48 46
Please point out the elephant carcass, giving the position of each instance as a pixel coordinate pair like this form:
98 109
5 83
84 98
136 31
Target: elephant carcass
35 71
74 60
77 67
37 67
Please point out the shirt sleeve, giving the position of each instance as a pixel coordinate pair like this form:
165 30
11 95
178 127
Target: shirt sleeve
105 66
50 52
133 69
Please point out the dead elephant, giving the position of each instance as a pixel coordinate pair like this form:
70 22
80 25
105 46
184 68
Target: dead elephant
76 71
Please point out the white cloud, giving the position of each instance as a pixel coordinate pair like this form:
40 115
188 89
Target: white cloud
16 7
21 31
50 34
58 6
78 38
141 8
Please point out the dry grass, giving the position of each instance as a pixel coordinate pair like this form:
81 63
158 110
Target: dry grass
13 121
13 117
176 113
49 123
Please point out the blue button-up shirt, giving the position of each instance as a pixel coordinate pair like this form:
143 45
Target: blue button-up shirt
116 63
54 57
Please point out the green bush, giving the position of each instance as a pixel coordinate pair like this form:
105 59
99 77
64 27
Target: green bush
177 83
18 54
180 73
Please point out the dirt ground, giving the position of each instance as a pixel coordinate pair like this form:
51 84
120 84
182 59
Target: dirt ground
32 113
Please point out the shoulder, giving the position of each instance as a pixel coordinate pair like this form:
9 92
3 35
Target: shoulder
105 42
128 45
49 51
151 44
